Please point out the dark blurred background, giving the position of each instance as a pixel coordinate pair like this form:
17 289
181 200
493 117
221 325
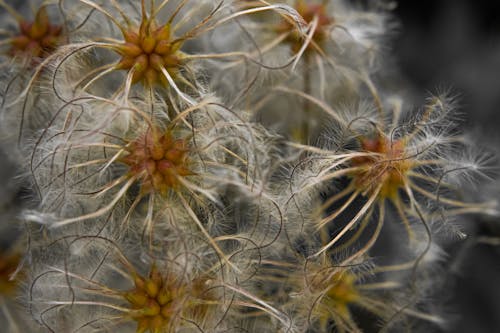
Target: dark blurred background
456 44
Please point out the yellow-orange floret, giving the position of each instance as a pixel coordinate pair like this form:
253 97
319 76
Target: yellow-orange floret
387 167
159 159
309 12
341 293
36 39
158 301
337 291
148 51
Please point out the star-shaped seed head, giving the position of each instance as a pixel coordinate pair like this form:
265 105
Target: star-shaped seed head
339 293
36 39
158 159
387 167
159 300
148 51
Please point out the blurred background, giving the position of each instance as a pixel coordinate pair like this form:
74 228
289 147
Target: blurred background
456 44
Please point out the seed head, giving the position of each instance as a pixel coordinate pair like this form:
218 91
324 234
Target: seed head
339 293
157 299
387 167
120 290
160 158
148 49
403 163
38 38
337 290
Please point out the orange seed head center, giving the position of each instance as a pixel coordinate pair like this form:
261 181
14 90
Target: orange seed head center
148 51
36 39
159 160
386 168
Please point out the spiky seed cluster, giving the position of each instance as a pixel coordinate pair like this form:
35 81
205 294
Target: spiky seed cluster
339 295
159 300
158 159
36 39
148 50
338 291
391 164
386 167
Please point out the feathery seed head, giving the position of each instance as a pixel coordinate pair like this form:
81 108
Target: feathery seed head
38 38
330 292
398 161
100 283
335 289
157 299
387 167
148 49
342 288
340 293
158 159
